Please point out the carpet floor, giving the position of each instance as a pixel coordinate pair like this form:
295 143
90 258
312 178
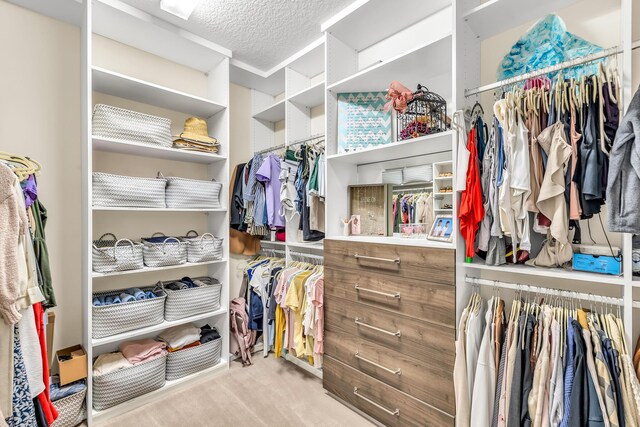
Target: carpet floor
271 392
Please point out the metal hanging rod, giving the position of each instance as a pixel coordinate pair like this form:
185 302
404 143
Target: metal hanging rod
283 146
545 291
304 255
270 149
273 251
537 73
302 141
409 190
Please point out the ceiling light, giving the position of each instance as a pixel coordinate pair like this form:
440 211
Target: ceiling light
181 8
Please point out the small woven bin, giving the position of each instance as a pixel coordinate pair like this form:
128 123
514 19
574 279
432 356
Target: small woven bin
203 248
72 410
114 319
192 301
195 359
115 254
126 125
120 386
128 191
161 251
192 193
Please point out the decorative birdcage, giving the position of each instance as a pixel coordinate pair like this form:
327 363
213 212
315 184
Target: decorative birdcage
426 114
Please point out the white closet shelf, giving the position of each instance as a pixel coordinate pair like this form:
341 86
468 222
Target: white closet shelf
97 342
496 16
429 64
306 245
443 210
96 275
273 113
123 86
556 273
392 240
169 386
367 22
312 96
424 145
125 209
145 150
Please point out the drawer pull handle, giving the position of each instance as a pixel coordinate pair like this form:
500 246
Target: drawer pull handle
373 258
377 365
386 294
384 331
395 413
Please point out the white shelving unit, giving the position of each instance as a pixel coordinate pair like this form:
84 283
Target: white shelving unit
103 154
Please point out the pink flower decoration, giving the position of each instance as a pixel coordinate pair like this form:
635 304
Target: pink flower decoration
398 96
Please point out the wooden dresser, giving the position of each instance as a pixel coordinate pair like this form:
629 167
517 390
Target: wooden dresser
390 331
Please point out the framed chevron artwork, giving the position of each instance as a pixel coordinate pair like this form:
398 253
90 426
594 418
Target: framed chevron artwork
362 121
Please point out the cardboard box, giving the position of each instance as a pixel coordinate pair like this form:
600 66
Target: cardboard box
72 364
51 326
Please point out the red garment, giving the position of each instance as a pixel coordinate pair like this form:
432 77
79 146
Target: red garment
471 210
50 411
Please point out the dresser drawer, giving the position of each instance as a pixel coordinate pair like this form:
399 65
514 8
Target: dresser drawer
415 338
436 265
426 381
420 299
382 402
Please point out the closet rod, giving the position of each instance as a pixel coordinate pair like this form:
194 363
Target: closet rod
409 190
302 141
537 73
270 149
303 255
546 291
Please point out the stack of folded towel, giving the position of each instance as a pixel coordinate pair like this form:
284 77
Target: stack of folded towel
132 294
207 333
187 336
131 353
185 283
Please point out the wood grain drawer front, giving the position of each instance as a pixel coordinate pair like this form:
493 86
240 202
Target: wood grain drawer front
384 403
422 379
420 299
415 338
436 265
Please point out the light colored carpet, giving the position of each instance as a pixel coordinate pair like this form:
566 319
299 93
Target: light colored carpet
271 392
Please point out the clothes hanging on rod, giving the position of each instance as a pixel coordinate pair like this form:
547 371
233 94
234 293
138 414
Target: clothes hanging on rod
412 206
558 364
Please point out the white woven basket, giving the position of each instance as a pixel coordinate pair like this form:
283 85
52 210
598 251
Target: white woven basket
171 251
192 193
126 125
192 301
203 248
113 319
72 410
116 255
421 173
120 386
128 191
195 359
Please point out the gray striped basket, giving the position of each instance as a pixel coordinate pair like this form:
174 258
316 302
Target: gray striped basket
126 125
120 386
72 410
192 301
114 319
128 191
203 248
195 359
172 251
115 255
192 193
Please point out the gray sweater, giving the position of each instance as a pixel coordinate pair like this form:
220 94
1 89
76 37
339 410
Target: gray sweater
623 189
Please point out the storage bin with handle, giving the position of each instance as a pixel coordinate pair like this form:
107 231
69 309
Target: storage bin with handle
72 410
192 193
126 125
114 319
128 191
115 254
120 386
160 250
203 248
194 359
192 301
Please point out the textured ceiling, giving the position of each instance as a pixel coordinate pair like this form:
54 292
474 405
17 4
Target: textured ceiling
261 33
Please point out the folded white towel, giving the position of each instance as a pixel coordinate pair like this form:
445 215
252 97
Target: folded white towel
110 362
179 336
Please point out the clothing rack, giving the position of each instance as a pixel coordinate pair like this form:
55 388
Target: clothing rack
270 149
272 251
408 190
302 141
545 291
283 146
305 257
537 73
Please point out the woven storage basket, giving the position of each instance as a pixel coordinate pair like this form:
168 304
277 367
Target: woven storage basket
163 252
72 410
421 173
116 255
128 191
117 318
192 301
195 359
126 125
192 193
203 248
120 386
